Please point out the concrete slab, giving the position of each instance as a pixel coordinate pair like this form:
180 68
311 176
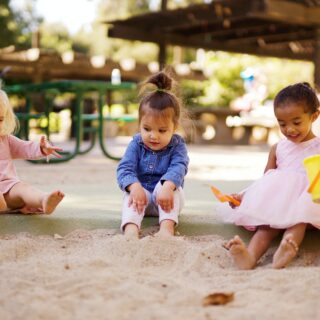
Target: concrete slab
93 199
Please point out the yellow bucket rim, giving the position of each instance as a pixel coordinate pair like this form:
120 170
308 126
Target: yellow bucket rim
310 159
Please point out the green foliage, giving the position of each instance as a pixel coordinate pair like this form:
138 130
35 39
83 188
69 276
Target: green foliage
191 91
55 36
8 28
225 83
16 26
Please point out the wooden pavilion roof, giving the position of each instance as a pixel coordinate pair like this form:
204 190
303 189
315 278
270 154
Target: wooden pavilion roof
49 66
278 28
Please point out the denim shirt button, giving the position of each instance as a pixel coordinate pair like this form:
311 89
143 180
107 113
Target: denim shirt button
151 166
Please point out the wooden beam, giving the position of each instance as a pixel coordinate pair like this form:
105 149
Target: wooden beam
192 15
203 42
268 38
288 12
51 67
216 28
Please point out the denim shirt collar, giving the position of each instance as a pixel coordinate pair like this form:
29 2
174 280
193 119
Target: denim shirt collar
173 142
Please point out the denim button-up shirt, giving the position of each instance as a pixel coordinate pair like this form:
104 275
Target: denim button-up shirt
141 164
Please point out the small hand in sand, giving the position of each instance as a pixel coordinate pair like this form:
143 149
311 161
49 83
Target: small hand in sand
287 250
240 254
50 201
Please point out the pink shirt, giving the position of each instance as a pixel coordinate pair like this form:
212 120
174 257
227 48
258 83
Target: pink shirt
12 148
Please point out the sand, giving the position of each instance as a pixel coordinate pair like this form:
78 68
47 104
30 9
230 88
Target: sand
100 275
95 273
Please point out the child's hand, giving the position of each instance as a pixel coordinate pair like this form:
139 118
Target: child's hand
165 196
137 197
237 196
48 149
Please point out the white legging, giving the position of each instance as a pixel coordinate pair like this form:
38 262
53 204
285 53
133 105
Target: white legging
131 216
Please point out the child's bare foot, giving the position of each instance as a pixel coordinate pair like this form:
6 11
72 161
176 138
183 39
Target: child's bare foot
50 201
164 233
285 253
131 231
166 229
3 205
240 254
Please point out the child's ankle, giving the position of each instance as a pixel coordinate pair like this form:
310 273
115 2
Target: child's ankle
167 226
131 230
3 205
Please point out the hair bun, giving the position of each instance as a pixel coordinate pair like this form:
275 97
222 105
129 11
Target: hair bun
307 84
161 80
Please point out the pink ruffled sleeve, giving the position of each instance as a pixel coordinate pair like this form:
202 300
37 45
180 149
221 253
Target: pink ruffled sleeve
20 149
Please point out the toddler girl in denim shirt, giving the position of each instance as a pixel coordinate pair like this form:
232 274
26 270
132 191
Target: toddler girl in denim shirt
152 171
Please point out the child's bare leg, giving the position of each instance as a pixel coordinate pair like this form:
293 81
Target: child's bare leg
3 205
23 194
289 245
246 258
131 231
166 228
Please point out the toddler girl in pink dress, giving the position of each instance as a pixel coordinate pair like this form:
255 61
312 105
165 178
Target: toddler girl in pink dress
279 200
15 194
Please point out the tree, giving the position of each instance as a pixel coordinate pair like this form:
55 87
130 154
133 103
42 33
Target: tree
55 36
16 26
8 27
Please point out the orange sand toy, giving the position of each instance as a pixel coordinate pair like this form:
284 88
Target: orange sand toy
224 197
314 182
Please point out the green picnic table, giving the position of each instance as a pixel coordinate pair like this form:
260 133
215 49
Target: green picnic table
79 88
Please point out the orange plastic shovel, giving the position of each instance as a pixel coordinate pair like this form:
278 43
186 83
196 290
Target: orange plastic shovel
314 182
224 197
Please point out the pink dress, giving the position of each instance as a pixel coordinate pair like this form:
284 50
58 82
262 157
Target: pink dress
13 148
279 198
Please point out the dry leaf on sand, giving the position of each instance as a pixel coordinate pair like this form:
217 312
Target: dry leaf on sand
218 298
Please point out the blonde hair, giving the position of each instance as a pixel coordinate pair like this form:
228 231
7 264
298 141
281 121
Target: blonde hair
10 123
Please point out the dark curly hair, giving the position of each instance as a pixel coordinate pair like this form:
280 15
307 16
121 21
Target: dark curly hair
299 92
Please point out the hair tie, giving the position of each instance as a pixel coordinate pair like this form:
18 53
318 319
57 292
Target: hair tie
161 90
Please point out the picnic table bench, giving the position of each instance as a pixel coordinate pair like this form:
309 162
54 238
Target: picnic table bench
223 121
216 121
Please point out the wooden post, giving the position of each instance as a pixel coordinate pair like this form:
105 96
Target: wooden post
162 45
316 60
35 39
164 5
162 55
